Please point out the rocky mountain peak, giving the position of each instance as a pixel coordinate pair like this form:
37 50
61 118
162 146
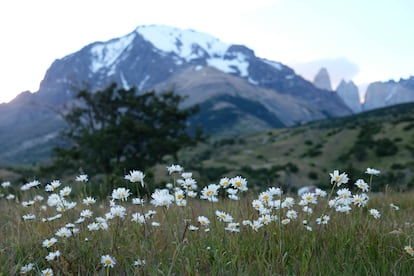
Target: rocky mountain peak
349 93
322 80
381 94
233 86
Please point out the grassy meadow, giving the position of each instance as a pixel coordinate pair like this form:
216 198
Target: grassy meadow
233 210
193 228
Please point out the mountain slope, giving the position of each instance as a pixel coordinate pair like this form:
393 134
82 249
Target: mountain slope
305 155
202 84
157 57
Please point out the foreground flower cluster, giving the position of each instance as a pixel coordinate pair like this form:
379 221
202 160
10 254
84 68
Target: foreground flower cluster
272 209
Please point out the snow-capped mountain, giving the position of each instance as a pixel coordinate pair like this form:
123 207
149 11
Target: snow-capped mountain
232 85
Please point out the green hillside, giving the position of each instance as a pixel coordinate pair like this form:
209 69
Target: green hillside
304 155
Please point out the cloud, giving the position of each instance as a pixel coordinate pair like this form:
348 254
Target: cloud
338 69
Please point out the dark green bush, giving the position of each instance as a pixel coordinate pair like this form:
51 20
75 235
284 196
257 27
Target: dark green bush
313 175
385 147
308 142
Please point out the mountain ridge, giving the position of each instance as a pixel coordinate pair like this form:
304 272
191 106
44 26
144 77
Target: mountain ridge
134 61
377 95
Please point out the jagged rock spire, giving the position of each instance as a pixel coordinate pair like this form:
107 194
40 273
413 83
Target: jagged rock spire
322 80
349 93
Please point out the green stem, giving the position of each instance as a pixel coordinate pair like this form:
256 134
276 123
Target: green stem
280 228
319 232
213 214
329 198
174 258
84 190
370 182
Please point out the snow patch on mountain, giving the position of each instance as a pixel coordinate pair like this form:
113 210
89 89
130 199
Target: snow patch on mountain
105 54
182 42
191 45
143 82
124 82
252 81
274 64
235 66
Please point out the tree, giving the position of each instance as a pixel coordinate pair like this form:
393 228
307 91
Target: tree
116 130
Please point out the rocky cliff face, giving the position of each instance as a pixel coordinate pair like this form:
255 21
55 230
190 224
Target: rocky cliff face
322 80
349 93
381 94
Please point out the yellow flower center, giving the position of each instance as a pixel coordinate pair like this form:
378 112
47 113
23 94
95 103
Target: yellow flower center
238 183
108 262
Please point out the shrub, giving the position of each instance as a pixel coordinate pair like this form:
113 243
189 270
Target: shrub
313 175
385 147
